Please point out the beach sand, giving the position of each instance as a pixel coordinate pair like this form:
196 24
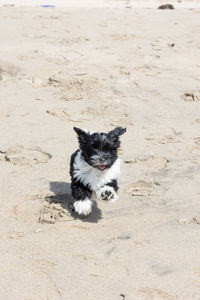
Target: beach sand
96 69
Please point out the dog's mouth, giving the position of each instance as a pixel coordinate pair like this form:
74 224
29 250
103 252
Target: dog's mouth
101 167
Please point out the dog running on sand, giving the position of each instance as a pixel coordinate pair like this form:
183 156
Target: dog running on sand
95 167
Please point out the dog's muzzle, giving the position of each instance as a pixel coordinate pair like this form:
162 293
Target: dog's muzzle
101 167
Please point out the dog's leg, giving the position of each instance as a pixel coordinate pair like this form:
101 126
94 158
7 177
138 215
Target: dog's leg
82 198
108 192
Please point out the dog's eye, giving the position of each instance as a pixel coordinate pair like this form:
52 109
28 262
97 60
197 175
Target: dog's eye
107 147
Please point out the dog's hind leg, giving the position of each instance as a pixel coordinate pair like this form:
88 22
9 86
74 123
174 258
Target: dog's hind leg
82 198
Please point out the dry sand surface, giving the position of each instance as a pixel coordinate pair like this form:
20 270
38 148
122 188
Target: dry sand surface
95 69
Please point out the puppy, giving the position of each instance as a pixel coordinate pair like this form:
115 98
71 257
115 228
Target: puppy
95 167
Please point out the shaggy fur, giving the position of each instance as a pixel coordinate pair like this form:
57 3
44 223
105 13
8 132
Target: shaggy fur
95 167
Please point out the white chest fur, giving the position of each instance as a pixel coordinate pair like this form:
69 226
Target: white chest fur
93 177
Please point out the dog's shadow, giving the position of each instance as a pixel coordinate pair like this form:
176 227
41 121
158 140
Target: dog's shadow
62 195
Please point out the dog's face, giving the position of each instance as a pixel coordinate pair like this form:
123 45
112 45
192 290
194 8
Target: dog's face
100 149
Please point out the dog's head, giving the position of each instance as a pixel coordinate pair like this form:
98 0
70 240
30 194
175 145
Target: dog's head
100 149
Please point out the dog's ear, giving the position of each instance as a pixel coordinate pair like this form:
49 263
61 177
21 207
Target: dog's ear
82 135
115 133
79 131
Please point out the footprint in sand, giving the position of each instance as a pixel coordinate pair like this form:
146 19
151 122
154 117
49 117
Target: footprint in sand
193 220
53 213
196 148
197 140
25 156
60 113
167 139
5 113
141 188
43 264
75 89
64 115
121 37
154 293
150 161
74 40
8 70
116 112
158 45
191 96
15 235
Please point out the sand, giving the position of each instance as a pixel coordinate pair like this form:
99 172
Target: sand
97 68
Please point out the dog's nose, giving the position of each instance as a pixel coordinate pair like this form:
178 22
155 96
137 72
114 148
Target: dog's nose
105 157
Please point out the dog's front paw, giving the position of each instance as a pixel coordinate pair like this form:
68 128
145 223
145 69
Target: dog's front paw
107 193
83 207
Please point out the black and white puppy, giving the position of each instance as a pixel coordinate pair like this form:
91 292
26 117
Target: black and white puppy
95 167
